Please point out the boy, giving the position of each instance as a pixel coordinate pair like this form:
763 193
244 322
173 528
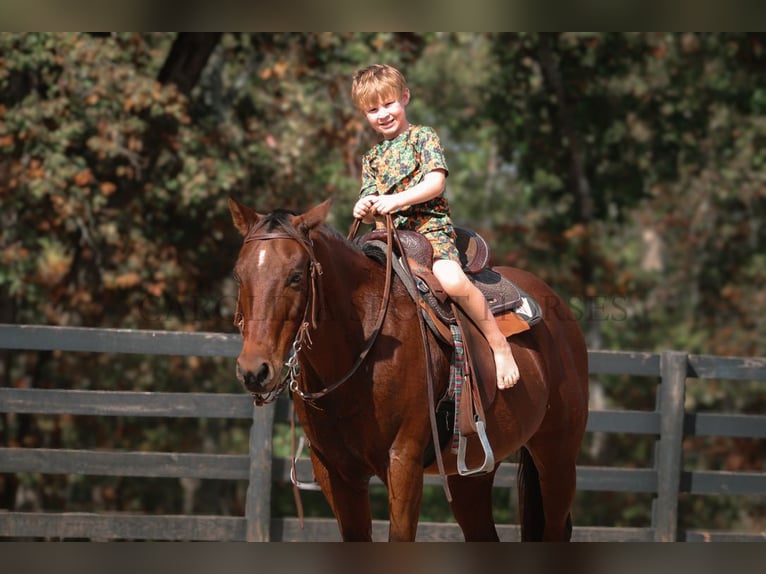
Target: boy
404 175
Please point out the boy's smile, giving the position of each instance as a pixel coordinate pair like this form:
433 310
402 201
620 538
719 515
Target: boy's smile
389 117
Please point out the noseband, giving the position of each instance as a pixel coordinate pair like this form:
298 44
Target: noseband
309 320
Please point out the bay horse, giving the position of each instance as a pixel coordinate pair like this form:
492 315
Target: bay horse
310 296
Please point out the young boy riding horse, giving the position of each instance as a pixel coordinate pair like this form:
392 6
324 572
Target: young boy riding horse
404 175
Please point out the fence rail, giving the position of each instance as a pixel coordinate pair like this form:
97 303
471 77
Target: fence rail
666 479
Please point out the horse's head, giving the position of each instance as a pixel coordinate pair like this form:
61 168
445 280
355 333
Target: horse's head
277 275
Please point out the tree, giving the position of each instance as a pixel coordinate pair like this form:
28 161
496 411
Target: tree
613 134
640 160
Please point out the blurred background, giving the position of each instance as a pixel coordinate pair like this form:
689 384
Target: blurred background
625 169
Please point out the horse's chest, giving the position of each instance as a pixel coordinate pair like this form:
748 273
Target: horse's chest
348 440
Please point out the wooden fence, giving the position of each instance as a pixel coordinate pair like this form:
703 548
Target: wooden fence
665 480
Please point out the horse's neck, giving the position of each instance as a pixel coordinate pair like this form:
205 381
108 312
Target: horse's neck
350 295
348 275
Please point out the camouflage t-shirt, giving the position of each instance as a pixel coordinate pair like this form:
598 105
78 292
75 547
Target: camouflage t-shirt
395 165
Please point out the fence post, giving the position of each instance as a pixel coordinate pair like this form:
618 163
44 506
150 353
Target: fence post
669 452
258 503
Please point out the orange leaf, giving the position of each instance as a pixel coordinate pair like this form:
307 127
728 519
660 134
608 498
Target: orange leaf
127 280
156 289
83 178
108 188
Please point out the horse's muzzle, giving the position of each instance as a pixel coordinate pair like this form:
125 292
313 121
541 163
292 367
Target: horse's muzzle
255 376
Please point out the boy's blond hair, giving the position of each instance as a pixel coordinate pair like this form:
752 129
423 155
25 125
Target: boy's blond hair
375 83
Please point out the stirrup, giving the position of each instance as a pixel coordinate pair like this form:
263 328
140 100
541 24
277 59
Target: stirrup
489 458
313 485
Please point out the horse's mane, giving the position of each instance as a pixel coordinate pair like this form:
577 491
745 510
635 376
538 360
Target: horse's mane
372 251
280 218
334 235
277 218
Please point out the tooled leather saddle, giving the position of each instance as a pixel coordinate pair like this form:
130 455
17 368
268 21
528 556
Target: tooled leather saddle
514 309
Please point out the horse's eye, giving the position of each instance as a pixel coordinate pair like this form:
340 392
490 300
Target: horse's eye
294 279
236 278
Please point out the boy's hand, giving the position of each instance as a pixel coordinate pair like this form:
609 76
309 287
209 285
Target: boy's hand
363 209
385 204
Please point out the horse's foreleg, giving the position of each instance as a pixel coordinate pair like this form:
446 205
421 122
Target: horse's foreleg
349 501
405 493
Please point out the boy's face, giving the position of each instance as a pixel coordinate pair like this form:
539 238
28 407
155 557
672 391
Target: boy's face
388 116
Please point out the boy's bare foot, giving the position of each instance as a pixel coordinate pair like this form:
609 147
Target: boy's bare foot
507 369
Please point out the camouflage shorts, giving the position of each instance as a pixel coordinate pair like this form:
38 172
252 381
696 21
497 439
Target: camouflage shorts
443 242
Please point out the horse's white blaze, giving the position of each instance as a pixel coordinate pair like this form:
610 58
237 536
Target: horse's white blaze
261 258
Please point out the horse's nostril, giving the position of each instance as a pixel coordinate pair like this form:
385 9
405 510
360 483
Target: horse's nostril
254 380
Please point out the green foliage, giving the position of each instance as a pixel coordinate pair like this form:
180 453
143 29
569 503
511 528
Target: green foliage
667 130
640 160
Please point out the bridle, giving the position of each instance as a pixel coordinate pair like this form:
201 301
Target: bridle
309 321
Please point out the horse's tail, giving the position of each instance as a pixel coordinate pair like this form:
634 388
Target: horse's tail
530 499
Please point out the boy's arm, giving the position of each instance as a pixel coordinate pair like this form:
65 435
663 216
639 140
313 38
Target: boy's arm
431 186
369 189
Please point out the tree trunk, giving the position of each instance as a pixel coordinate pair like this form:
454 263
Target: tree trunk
578 182
183 67
187 58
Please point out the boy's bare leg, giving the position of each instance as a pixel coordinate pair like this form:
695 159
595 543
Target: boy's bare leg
477 309
472 301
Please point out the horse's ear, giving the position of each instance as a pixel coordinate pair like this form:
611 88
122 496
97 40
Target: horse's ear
313 217
242 216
